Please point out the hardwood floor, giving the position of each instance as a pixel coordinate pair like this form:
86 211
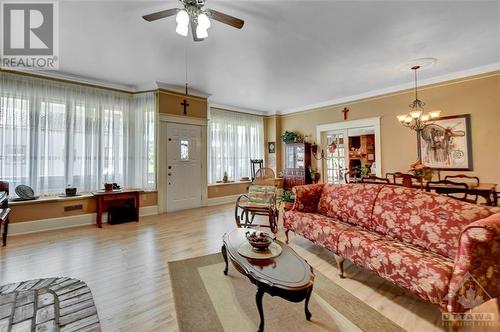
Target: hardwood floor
126 268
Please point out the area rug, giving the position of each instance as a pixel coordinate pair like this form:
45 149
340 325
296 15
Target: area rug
207 300
51 304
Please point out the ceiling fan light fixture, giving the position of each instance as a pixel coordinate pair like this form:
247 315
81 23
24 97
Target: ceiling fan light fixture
201 32
182 18
204 21
182 30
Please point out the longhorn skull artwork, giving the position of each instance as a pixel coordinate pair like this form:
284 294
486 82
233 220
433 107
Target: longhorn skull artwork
444 144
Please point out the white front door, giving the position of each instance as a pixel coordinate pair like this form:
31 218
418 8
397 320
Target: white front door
183 166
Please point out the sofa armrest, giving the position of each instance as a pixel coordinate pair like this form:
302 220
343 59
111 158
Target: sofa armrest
307 197
477 265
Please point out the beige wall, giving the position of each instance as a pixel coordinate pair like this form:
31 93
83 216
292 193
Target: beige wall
54 208
478 96
272 133
170 103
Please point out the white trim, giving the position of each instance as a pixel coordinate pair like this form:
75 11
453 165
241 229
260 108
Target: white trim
222 200
79 79
42 225
238 109
368 122
396 88
183 119
180 89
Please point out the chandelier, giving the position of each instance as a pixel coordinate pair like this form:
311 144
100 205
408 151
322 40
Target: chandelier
416 119
193 13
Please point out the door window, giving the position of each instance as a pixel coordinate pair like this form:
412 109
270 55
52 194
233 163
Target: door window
184 150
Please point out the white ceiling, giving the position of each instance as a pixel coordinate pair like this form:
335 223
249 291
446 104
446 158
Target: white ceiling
288 55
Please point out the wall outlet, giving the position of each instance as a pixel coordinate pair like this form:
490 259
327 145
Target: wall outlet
73 207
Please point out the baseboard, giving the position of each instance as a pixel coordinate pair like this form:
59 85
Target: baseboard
222 200
42 225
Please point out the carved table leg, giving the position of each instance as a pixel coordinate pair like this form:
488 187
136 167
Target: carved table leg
224 254
5 231
340 263
258 299
308 313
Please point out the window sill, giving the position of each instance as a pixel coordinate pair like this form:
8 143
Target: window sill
52 199
229 183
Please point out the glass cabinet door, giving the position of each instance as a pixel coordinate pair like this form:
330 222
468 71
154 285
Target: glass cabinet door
289 156
299 156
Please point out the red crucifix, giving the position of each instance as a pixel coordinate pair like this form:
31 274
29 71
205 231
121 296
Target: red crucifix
345 111
185 104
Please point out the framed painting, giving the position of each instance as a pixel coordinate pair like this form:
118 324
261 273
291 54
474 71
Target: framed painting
271 147
446 143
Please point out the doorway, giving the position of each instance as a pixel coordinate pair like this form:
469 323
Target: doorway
184 166
357 149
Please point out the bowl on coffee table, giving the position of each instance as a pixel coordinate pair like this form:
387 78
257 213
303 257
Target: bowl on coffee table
259 240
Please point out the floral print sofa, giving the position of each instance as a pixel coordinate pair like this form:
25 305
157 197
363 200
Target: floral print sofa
436 247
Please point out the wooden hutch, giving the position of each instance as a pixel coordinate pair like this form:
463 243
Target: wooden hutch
297 163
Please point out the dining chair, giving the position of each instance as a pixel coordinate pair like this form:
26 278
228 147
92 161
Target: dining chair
406 180
456 190
374 179
469 180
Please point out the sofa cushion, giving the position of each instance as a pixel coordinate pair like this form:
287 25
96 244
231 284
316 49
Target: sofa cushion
427 220
417 270
319 229
351 203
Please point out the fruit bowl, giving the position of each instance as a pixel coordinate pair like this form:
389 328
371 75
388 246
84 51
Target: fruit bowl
259 240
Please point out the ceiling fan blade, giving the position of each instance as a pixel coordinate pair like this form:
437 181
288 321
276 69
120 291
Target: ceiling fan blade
162 14
226 19
193 31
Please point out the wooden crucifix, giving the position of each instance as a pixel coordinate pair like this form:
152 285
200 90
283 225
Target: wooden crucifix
345 111
185 104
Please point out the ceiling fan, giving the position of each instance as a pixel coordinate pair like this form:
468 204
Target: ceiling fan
199 17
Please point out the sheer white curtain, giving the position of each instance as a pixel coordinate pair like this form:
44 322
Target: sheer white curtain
233 139
54 134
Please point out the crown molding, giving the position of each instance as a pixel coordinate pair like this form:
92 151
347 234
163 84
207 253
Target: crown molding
74 79
396 88
182 90
238 109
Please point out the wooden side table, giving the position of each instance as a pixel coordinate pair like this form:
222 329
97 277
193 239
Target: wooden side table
107 199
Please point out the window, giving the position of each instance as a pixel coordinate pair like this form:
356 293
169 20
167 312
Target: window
234 139
53 134
184 150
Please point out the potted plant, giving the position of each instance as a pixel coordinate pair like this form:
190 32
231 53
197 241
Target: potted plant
225 178
420 170
289 137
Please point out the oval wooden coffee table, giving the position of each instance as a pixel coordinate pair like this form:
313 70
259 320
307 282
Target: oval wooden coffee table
288 276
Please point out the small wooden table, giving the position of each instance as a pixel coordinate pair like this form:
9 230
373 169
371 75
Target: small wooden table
106 199
287 276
